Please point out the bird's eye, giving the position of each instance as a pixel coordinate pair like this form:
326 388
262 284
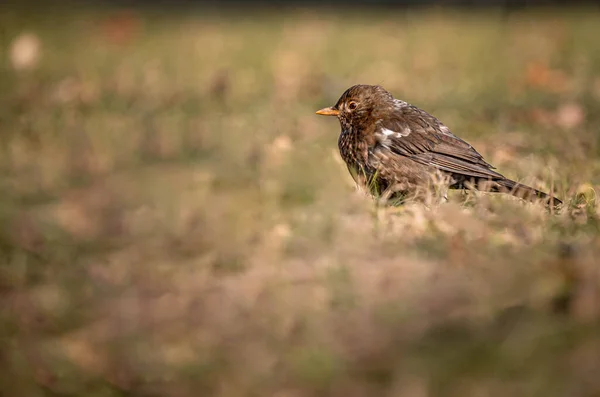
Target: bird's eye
352 105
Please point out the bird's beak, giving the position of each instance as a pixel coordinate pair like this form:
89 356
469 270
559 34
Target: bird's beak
328 112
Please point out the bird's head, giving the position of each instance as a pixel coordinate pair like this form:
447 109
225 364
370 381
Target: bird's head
358 103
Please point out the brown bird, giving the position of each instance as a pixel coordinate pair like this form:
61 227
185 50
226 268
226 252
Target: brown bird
395 149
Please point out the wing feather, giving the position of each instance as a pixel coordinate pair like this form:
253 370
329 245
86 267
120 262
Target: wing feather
424 139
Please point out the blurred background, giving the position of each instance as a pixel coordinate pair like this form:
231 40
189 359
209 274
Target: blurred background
176 221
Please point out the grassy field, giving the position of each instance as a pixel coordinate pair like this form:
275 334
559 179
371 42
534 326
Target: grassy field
175 220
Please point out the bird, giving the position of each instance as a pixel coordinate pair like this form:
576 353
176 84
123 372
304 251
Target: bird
397 150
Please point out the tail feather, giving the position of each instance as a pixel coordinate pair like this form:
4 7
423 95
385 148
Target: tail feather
514 188
524 191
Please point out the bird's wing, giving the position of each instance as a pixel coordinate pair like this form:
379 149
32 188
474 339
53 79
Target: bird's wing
411 132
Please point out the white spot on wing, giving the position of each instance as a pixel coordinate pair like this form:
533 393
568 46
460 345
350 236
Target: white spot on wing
385 135
445 130
399 104
398 134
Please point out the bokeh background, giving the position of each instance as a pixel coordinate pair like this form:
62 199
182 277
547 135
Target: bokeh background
175 220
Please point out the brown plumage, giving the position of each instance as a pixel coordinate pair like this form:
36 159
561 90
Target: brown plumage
395 148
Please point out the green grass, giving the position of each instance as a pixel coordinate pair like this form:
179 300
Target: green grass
176 221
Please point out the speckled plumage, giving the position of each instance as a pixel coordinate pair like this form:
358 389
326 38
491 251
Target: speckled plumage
395 148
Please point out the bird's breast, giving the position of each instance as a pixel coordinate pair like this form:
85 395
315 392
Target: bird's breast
355 149
348 145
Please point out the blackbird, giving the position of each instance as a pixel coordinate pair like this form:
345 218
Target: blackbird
394 149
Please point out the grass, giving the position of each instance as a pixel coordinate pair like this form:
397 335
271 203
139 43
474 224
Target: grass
175 219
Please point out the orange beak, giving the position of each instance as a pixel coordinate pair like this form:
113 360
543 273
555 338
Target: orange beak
328 112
